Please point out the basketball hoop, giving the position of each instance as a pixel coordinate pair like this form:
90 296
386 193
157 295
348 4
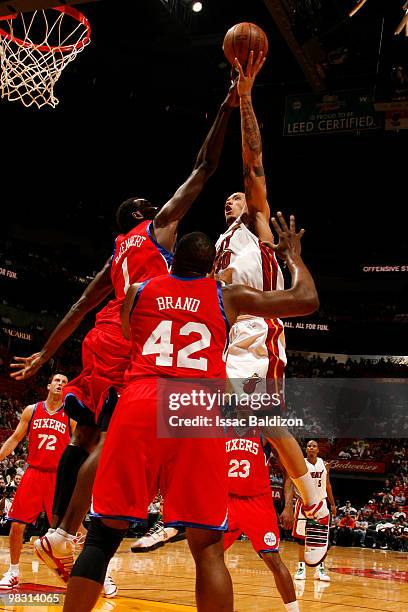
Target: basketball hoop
34 50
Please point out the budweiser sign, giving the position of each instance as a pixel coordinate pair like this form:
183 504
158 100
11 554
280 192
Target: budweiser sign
348 465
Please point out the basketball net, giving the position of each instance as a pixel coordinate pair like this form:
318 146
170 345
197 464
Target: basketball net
34 50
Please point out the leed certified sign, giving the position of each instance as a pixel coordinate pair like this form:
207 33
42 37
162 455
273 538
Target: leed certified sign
349 111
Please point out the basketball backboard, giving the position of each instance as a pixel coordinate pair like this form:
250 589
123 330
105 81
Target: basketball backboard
7 7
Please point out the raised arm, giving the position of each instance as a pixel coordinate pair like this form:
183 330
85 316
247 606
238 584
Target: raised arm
254 175
97 290
19 433
166 221
301 299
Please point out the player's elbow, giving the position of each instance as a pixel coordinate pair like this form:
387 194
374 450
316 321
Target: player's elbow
309 303
206 168
80 308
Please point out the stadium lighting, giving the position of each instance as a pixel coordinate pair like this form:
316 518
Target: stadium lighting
196 7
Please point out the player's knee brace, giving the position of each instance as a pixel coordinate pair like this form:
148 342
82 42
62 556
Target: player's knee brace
100 546
78 411
68 467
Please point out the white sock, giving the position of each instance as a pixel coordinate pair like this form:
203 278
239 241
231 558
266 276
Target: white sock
65 534
293 606
15 569
306 488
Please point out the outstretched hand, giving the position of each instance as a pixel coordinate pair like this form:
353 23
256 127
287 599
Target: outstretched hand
289 240
26 366
246 78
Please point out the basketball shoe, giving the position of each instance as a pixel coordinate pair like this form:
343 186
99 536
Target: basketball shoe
300 572
156 537
109 587
57 552
317 532
9 581
320 574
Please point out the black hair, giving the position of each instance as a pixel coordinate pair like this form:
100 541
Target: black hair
51 378
194 255
124 217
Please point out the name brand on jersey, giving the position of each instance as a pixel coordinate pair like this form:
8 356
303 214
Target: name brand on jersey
171 303
316 474
125 245
241 444
49 424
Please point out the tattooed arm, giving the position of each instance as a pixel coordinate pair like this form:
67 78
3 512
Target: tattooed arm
254 176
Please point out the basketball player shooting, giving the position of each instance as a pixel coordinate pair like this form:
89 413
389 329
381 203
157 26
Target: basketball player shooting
256 353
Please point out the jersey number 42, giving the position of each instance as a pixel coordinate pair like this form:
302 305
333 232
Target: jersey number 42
159 343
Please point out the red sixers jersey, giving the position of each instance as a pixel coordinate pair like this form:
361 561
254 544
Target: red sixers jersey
48 435
137 257
248 472
178 329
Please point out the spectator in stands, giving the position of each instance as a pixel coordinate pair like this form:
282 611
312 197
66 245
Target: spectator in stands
387 499
370 507
6 500
20 467
347 509
387 487
384 531
401 535
16 481
344 454
399 513
397 489
400 499
345 530
360 531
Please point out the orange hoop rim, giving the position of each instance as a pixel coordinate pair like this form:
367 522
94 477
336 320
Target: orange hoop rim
69 10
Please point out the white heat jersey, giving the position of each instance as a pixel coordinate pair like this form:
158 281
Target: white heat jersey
257 346
318 473
248 261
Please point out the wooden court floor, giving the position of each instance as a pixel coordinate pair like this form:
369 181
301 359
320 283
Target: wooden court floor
361 579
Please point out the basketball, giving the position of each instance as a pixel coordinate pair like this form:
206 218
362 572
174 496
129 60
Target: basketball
243 38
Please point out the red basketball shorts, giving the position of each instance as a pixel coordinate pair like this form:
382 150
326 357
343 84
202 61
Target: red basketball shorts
105 358
256 517
34 494
190 473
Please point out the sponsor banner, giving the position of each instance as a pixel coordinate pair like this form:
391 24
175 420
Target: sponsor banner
305 326
16 333
386 268
396 120
8 273
357 466
348 111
